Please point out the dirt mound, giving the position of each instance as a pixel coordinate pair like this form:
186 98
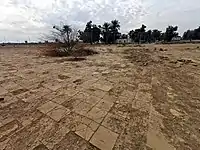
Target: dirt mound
142 57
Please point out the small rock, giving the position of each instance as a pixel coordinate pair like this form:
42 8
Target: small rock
123 66
78 81
187 132
155 81
162 126
181 60
95 73
105 72
173 62
1 99
195 65
63 76
59 80
176 113
178 65
181 140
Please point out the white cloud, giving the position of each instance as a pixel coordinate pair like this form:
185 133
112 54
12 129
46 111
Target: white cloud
183 13
21 19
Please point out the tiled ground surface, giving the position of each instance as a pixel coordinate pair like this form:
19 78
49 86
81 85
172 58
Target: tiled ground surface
104 102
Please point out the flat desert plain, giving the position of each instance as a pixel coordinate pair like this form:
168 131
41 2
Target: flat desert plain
127 97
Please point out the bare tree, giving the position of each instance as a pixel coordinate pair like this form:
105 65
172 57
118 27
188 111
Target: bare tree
66 35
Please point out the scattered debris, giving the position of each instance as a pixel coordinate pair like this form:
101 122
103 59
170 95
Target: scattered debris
76 59
78 81
45 72
164 57
185 61
63 77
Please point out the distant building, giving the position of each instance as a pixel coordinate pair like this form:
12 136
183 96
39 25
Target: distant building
126 40
178 38
121 41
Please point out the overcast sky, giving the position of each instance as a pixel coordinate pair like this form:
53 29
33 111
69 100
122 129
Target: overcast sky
29 19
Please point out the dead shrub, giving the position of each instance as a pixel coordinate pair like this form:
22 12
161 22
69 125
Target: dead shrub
58 50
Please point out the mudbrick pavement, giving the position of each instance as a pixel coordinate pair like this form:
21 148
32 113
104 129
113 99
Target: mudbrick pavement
104 102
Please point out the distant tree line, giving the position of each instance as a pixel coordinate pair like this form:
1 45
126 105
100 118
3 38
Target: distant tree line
142 36
108 33
192 34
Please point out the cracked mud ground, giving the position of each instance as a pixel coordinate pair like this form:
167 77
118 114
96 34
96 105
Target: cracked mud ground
124 98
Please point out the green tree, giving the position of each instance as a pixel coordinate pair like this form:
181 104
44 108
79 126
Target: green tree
148 36
156 35
192 34
170 33
91 34
65 35
88 31
141 33
95 33
138 35
115 27
106 32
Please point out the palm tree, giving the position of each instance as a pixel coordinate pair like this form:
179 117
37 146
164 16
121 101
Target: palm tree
156 34
67 29
89 30
106 30
65 35
142 31
115 26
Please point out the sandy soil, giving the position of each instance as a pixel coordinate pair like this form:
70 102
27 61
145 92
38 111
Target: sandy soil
131 97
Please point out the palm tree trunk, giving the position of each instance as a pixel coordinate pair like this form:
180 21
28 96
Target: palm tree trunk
68 37
91 37
114 38
106 38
